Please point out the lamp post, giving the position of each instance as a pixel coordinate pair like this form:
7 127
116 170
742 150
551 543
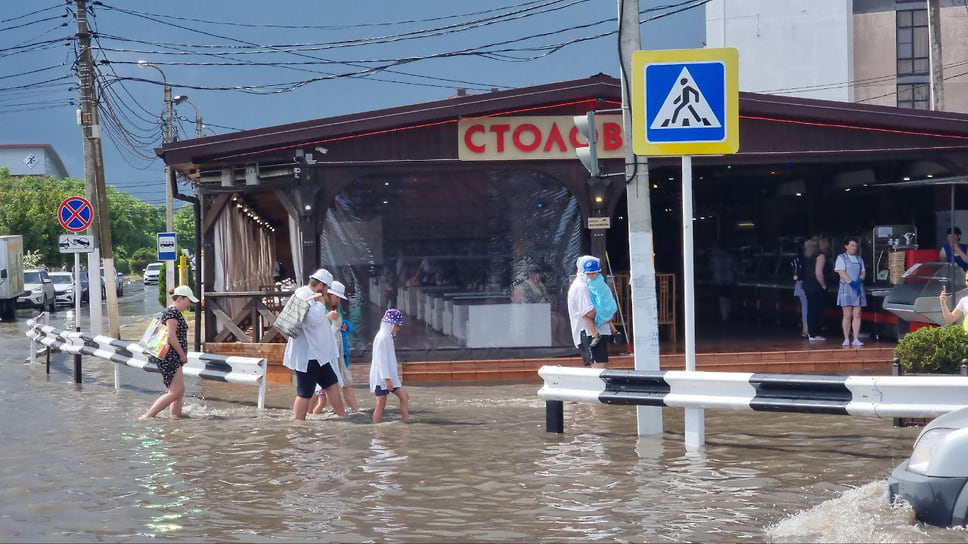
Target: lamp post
198 119
168 137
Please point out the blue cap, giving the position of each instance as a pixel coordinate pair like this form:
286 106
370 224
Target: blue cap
591 265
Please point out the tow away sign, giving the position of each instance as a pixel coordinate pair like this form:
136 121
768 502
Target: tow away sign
76 243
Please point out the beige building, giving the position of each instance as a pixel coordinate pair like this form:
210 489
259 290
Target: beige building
866 51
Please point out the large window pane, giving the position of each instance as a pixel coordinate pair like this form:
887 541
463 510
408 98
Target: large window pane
476 260
903 18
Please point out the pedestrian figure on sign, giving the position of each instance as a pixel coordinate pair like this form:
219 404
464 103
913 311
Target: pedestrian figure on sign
685 101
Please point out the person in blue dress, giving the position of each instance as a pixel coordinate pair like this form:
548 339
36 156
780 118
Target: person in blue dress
850 296
954 251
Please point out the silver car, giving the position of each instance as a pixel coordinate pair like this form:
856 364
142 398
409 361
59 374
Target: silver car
63 287
39 289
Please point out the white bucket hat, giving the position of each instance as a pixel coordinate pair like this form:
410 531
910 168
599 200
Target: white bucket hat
338 289
323 275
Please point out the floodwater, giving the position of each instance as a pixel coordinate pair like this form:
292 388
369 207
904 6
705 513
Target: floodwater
474 465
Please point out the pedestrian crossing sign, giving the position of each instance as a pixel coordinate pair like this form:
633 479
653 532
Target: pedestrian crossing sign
685 102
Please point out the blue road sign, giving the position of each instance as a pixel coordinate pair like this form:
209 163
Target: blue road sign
685 102
75 214
167 246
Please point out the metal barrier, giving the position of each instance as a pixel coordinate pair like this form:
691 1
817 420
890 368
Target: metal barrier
878 396
225 368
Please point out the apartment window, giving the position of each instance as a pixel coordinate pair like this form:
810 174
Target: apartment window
912 42
913 95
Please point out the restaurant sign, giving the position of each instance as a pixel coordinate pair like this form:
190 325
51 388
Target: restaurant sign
535 138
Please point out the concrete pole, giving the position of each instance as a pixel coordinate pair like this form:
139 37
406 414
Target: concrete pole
645 325
934 54
90 132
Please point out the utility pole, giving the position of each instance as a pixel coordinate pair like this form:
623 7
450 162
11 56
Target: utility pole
934 55
645 326
94 185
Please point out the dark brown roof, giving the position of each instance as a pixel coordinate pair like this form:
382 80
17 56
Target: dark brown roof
752 107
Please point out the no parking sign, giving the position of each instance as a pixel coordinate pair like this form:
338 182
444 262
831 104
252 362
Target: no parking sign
75 213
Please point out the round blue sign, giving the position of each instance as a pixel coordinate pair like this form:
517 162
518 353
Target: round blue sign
75 214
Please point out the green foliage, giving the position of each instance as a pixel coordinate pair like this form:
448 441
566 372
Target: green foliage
28 206
184 223
163 285
933 349
141 257
33 259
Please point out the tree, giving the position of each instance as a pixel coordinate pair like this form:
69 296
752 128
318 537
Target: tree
184 221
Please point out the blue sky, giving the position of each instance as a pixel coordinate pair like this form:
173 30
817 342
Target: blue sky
238 63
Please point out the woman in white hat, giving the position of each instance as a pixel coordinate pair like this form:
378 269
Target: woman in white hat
337 292
171 365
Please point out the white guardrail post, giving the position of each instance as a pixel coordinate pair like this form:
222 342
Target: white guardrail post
877 396
207 366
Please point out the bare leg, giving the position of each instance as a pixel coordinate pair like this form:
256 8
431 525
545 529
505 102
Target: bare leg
332 393
845 322
299 408
349 396
856 323
404 397
174 393
319 404
381 403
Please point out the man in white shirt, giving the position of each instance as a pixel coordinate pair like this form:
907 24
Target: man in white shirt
581 312
313 353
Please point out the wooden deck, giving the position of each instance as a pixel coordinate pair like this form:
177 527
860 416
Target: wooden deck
747 349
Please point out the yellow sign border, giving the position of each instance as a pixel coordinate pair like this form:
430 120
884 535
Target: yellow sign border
729 56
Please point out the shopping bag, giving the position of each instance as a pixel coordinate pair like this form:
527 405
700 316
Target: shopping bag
154 341
289 321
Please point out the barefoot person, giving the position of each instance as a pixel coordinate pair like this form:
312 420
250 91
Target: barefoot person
171 365
312 354
384 378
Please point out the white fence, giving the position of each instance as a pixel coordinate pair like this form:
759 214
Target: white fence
879 396
225 368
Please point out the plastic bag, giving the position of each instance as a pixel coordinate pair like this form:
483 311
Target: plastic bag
155 339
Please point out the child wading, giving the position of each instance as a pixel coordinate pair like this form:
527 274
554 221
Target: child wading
384 378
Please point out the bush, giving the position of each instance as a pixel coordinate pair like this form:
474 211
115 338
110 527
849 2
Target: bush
933 349
140 259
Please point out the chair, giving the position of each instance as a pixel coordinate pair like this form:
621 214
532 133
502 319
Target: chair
666 292
273 302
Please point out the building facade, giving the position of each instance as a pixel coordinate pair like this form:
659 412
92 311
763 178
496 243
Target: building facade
32 160
865 51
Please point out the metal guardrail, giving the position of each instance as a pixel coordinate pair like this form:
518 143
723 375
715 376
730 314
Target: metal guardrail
225 368
878 396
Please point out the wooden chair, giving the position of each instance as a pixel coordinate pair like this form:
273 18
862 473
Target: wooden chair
273 302
665 290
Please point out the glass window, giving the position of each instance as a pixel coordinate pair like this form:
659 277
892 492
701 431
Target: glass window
480 264
912 42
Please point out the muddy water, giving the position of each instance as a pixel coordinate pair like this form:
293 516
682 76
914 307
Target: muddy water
475 465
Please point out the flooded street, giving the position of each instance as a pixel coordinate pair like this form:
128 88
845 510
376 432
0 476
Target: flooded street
475 465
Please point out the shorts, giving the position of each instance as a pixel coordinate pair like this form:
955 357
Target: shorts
315 374
597 354
381 392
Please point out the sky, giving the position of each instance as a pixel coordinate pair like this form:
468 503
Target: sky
250 63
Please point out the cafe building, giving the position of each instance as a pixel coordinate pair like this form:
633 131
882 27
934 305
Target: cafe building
468 213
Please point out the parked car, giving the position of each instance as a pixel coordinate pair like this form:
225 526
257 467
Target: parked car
118 284
85 287
39 289
151 273
63 287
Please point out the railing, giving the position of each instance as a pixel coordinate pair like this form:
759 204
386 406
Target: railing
224 368
251 323
879 396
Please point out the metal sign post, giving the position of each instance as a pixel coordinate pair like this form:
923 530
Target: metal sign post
686 102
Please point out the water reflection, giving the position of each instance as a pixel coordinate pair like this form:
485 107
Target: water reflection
476 465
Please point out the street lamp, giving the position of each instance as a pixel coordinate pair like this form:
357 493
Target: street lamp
198 119
169 195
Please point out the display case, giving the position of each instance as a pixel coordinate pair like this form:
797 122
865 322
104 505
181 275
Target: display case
916 297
